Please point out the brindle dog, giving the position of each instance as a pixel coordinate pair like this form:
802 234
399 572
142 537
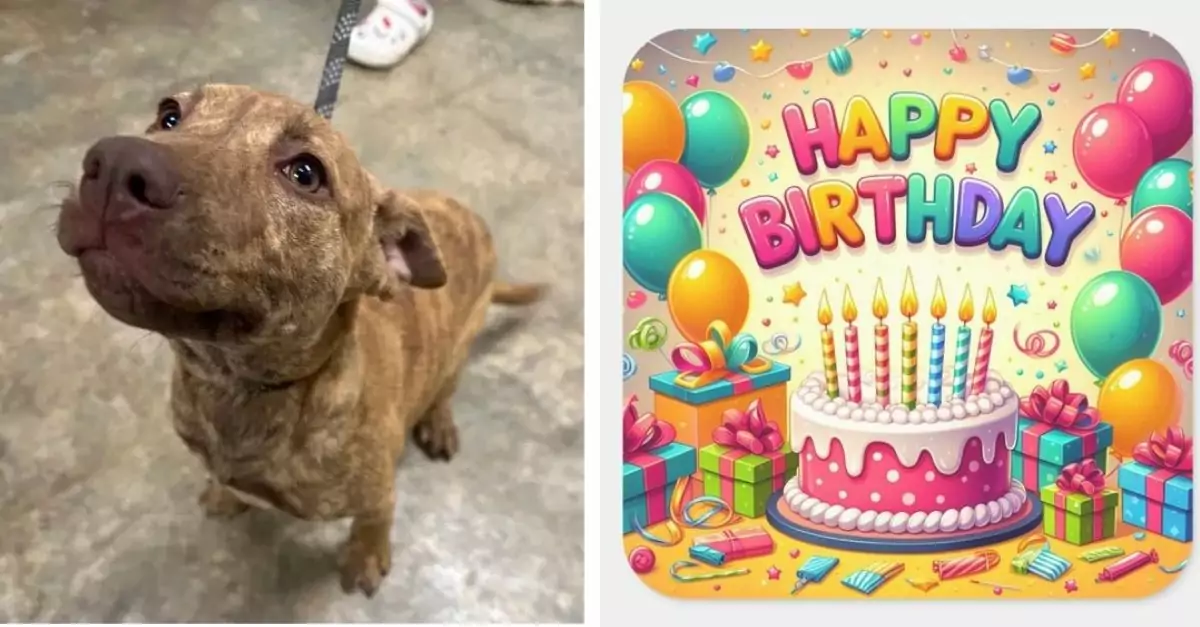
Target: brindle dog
315 316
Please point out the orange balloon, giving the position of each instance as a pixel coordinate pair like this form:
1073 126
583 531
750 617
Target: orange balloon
1139 398
652 125
705 287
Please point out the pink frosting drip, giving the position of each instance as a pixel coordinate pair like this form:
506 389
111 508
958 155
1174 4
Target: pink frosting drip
886 485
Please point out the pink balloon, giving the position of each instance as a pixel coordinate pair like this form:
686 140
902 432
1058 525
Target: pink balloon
1112 149
671 178
1160 92
1157 246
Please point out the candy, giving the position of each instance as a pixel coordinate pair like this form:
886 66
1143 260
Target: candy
1062 43
869 579
641 559
1042 562
1126 565
977 562
707 554
814 571
1101 554
840 61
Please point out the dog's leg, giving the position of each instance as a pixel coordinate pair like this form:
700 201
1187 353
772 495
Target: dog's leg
435 433
219 502
367 557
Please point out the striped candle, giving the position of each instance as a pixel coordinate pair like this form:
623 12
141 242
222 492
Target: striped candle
825 316
983 355
883 388
937 346
853 368
962 348
908 344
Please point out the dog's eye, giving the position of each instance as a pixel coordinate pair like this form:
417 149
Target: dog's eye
169 115
306 173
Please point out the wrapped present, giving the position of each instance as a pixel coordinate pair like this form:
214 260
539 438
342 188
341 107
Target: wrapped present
723 372
745 465
1057 428
1078 508
1156 487
653 462
736 544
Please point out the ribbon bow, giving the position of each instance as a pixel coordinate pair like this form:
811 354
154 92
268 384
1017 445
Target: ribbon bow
1060 407
1171 452
748 430
645 432
1082 477
700 364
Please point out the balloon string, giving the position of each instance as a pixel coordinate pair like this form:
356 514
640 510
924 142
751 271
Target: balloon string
777 70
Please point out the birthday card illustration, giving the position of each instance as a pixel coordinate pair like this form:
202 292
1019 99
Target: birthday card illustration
907 314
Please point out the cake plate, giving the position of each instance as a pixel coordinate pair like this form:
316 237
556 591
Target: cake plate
789 523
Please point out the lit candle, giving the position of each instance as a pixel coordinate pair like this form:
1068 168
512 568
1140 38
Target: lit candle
937 345
962 348
879 308
825 317
853 369
984 353
908 343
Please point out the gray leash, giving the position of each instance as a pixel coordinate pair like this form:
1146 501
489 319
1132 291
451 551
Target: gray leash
335 61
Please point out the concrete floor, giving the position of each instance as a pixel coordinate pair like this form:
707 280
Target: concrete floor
98 519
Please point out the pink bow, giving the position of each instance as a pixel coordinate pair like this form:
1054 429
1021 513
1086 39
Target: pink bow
1171 452
645 432
1061 408
1085 477
748 430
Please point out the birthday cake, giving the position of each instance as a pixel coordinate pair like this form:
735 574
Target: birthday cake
890 469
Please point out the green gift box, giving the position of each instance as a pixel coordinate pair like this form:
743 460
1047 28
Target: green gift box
1077 518
744 480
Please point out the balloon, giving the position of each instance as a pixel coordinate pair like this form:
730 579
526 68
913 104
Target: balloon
670 178
1115 318
1167 183
1139 398
652 126
717 139
1112 148
1157 246
1160 93
705 287
659 231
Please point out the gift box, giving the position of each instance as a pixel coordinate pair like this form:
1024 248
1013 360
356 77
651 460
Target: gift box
746 465
1156 487
711 377
736 544
653 463
1078 508
1057 428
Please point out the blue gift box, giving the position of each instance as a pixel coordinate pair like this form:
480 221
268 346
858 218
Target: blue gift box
1157 500
735 383
1042 451
648 480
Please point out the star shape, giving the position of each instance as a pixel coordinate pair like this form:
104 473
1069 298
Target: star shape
804 32
971 169
1052 305
1060 365
773 573
1049 147
772 151
761 51
1111 39
1071 586
1051 176
1087 71
793 294
1019 294
704 42
637 65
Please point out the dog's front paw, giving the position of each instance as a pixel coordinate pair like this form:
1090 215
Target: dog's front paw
219 502
437 438
364 565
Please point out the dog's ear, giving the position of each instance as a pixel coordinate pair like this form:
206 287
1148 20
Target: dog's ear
405 252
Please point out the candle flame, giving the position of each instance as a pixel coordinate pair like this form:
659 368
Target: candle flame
989 308
879 304
824 312
966 309
908 297
938 307
849 310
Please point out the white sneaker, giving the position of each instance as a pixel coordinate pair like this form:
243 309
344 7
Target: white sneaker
391 31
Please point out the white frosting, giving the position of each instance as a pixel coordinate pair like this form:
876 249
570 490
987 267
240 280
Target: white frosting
943 432
945 521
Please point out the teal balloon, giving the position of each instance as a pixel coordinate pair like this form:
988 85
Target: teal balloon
660 230
716 137
1116 317
1167 183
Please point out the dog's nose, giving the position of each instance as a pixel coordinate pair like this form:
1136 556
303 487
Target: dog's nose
137 168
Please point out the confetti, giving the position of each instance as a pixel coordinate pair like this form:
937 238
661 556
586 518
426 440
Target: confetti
635 299
641 559
1139 536
924 585
995 586
1102 553
628 367
708 576
773 573
704 42
1039 344
916 39
1018 294
1171 570
649 334
692 81
1091 255
1071 585
781 344
662 69
1181 353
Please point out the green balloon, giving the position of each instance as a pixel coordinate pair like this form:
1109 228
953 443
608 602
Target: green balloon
1116 317
1167 182
659 230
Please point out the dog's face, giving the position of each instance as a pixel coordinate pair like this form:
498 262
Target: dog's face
238 216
